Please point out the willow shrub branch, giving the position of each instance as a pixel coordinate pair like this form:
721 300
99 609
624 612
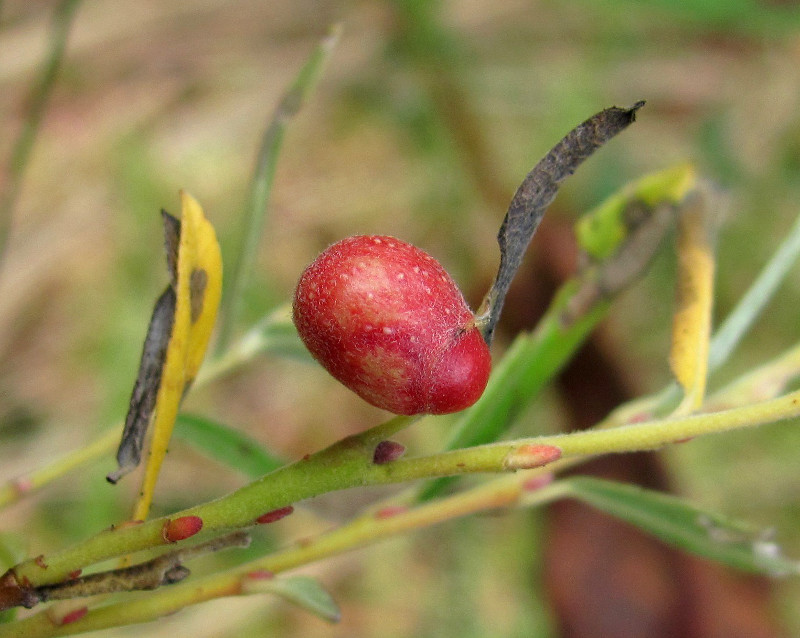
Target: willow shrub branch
376 525
349 463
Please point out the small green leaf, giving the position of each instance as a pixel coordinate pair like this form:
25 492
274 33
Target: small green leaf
603 230
226 445
684 525
305 592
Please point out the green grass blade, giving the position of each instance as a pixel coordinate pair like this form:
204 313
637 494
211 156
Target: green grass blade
226 445
684 525
262 180
738 322
21 152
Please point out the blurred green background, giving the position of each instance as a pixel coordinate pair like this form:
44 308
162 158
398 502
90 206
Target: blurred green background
426 119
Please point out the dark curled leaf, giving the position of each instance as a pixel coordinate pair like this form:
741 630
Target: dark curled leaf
536 193
172 240
145 390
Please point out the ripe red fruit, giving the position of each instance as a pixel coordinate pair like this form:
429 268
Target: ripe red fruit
386 320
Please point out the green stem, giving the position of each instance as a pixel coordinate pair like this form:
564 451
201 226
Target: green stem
528 365
365 530
348 463
16 488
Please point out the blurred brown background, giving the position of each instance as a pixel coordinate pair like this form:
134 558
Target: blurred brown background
427 117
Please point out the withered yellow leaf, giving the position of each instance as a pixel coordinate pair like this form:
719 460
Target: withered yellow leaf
691 327
176 342
198 289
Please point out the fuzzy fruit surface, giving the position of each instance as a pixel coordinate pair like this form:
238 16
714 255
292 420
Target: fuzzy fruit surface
385 319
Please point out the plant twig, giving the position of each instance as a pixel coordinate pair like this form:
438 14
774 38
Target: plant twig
349 463
376 525
14 489
166 569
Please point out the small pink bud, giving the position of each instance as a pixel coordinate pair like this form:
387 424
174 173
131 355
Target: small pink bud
390 510
181 528
537 482
275 515
39 560
261 574
387 451
526 457
22 485
74 615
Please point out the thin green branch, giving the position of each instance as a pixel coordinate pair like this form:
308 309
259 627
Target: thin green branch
376 525
275 333
14 489
37 104
349 463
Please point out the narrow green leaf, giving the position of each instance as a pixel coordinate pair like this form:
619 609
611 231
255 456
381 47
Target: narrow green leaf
685 525
226 445
528 365
738 322
307 593
261 182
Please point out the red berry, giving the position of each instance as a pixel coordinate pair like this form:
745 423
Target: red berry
386 320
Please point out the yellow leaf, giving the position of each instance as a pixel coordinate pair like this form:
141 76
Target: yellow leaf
198 288
691 328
